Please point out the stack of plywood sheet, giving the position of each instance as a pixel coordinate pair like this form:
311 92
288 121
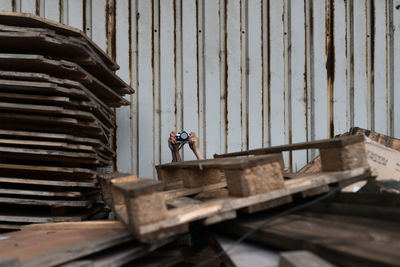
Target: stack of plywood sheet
58 92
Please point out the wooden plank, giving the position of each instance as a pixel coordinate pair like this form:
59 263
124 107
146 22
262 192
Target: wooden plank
72 172
327 143
244 253
40 216
301 258
87 225
52 203
43 181
224 163
68 194
63 246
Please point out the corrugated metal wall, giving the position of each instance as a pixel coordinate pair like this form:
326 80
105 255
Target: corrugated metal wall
242 74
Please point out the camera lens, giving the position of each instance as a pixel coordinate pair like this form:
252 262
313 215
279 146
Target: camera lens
184 135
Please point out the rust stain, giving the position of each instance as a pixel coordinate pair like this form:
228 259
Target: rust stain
226 75
305 82
262 76
372 67
198 31
84 15
269 72
330 60
37 7
114 30
175 67
130 43
60 11
107 26
14 6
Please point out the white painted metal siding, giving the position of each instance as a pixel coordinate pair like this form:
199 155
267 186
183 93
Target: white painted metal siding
242 74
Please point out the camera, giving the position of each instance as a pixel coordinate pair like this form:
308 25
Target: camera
182 137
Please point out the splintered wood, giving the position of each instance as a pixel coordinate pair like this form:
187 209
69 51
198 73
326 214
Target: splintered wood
249 184
58 92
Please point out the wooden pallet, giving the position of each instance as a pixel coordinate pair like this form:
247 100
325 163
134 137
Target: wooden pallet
252 183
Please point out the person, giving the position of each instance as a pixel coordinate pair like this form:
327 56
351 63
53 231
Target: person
193 144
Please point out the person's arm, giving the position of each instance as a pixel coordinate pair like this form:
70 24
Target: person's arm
174 146
194 145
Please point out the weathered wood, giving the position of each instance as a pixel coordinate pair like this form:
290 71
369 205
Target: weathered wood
48 182
87 225
320 144
198 178
382 139
342 243
9 262
59 68
256 180
344 158
57 46
224 206
61 245
302 258
32 21
107 180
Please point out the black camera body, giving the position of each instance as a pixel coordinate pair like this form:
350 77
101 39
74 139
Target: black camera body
182 137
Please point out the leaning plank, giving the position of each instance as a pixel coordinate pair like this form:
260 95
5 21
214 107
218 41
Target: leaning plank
344 244
118 256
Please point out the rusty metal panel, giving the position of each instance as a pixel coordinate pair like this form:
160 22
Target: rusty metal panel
298 81
396 67
242 74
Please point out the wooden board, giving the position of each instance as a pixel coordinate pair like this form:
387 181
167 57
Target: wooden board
41 216
48 182
42 193
38 170
60 245
325 144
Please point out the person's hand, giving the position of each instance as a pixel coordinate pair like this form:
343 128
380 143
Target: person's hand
172 144
194 144
193 141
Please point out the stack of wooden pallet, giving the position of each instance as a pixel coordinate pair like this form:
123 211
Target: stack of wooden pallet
57 94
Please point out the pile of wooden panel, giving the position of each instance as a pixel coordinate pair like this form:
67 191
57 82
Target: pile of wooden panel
58 92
